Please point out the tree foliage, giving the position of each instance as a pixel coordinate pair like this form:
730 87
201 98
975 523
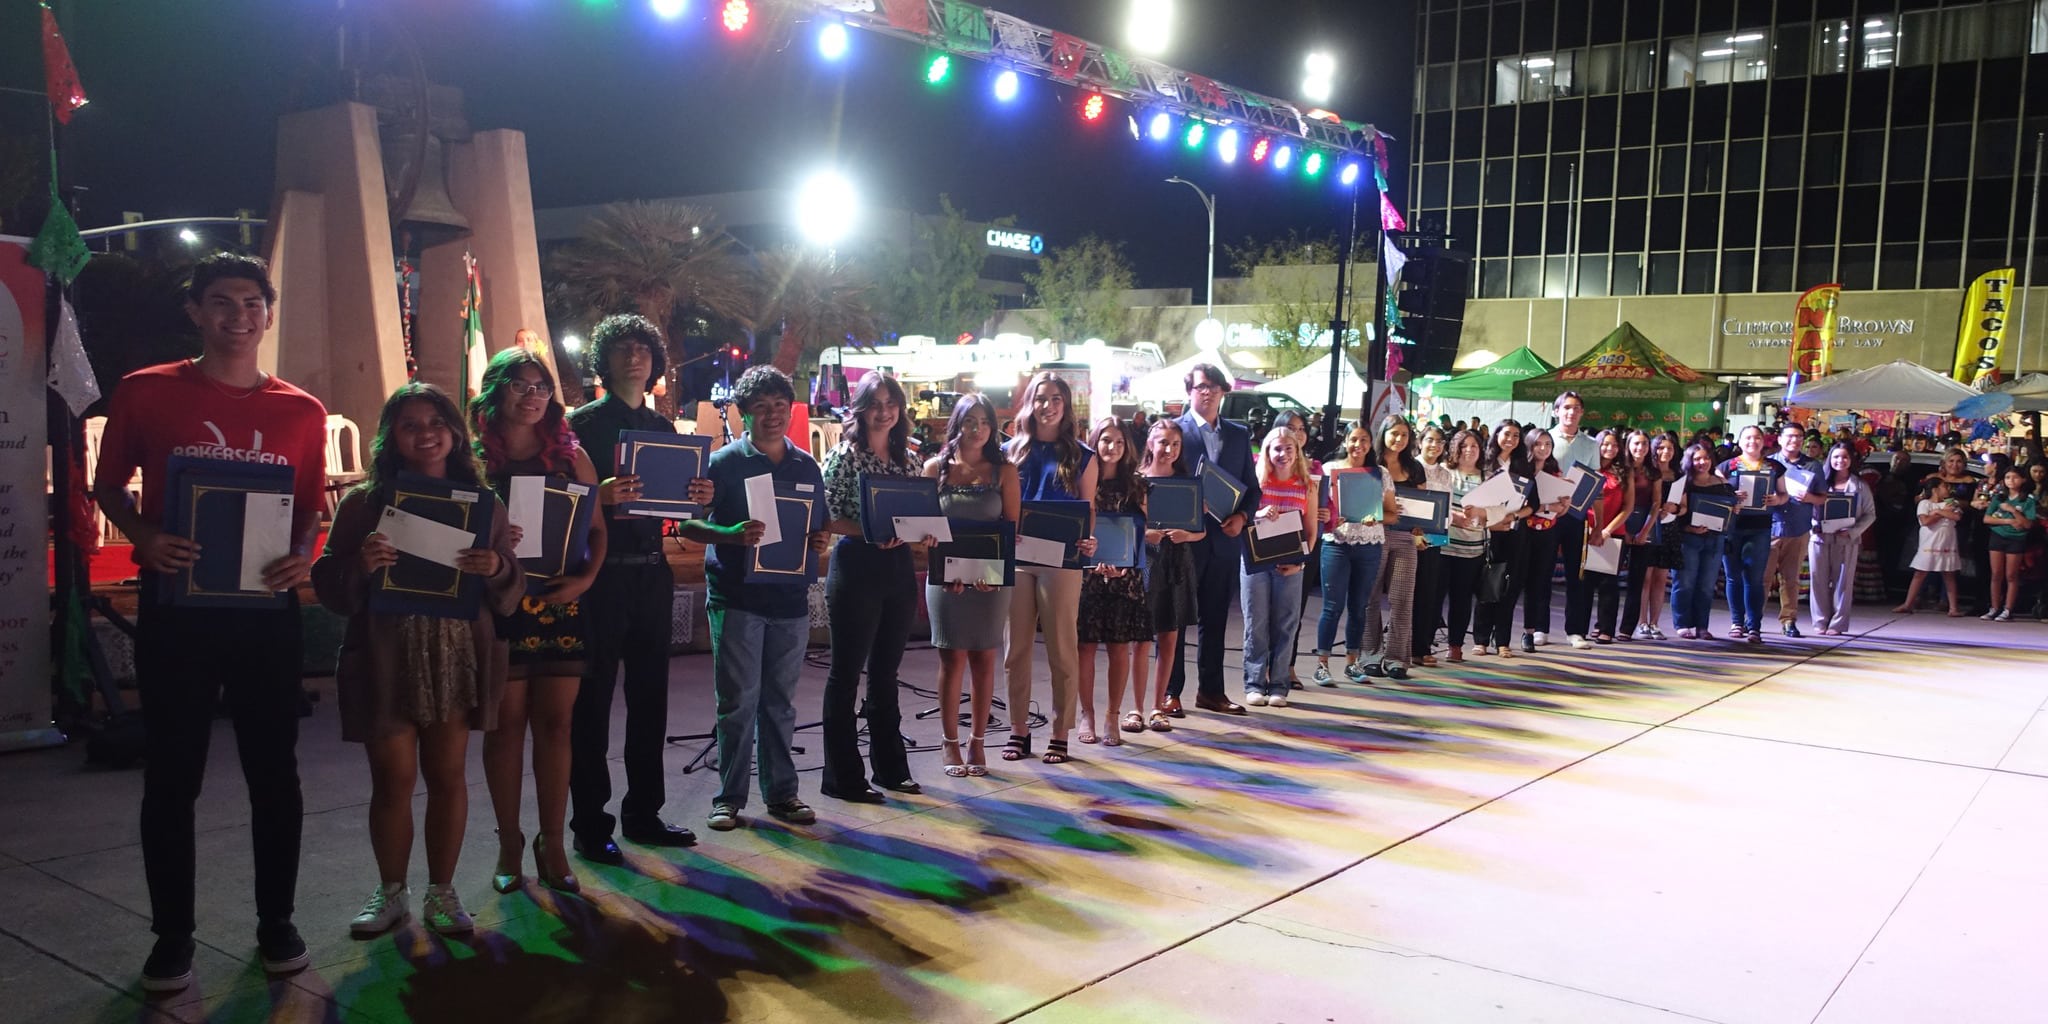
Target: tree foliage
932 285
1295 309
1079 289
818 301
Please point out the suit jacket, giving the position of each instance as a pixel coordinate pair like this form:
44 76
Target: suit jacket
1236 458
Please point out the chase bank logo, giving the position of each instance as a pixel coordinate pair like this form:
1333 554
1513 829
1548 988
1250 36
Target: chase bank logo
1016 241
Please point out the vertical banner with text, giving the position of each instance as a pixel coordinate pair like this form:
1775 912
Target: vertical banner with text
1980 340
24 536
1813 335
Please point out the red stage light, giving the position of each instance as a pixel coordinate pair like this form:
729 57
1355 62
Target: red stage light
736 15
1092 107
1259 149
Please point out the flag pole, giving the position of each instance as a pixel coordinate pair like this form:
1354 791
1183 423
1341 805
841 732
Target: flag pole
2019 364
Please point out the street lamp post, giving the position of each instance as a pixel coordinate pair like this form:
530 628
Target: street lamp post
1209 202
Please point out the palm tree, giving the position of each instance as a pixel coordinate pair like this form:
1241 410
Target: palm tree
818 300
669 262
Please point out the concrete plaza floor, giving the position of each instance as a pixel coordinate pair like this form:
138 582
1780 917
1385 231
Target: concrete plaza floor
1845 830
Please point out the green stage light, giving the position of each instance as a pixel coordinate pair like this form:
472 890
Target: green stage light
1196 132
1313 165
938 70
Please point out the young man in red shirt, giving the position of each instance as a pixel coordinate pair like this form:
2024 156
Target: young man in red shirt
218 406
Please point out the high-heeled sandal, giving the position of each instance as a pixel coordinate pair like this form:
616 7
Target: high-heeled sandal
503 881
1055 752
955 767
565 883
976 768
1017 749
1086 733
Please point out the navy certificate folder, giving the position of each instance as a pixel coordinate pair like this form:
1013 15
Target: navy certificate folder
1173 503
799 512
1062 521
883 498
207 503
665 464
1120 540
566 508
418 586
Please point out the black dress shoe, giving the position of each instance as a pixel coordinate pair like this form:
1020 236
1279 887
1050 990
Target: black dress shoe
1792 629
863 795
657 833
1172 708
599 851
1223 705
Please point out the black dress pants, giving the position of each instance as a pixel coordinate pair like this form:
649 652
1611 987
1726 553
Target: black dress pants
629 611
1540 550
873 597
186 661
1429 599
1639 557
1217 559
1459 576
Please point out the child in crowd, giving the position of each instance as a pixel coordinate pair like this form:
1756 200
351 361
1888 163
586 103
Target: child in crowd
411 687
1939 512
2010 515
1271 600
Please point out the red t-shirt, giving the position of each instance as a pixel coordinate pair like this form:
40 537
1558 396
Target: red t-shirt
174 409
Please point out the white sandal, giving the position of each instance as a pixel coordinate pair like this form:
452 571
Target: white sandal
977 769
956 771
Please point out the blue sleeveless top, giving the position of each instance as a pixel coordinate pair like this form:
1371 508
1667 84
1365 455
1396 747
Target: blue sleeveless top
1038 476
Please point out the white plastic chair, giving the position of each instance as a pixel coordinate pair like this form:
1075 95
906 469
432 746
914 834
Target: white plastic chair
344 457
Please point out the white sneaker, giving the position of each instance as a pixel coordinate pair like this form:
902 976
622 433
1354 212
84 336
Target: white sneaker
443 911
1643 632
1580 643
1542 638
1990 616
383 911
1255 699
1278 700
2004 615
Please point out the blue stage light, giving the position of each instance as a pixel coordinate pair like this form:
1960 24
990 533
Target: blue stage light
1160 126
1006 86
1349 176
832 41
669 9
1226 145
1283 156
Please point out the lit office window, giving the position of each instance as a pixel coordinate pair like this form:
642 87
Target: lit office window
1718 59
1538 76
1831 47
1880 42
1956 34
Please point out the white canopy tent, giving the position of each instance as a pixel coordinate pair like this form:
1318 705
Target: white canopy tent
2028 393
1897 387
1310 385
1169 382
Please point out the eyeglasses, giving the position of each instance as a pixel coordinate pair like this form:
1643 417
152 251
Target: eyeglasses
1205 386
522 388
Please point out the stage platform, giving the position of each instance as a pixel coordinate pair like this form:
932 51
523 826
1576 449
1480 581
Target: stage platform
1844 831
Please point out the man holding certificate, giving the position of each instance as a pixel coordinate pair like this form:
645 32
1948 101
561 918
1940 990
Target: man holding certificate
759 629
629 606
1226 444
1791 525
219 407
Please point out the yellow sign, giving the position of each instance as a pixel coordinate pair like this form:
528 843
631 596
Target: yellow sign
1980 341
1813 333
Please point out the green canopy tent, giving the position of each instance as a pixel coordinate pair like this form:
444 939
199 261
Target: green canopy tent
1627 380
1488 392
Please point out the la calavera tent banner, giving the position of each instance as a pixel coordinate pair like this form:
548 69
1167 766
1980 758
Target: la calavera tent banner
1626 380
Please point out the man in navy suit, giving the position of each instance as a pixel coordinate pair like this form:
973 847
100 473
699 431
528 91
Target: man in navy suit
1207 437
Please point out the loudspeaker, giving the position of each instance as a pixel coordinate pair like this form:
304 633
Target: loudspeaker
1434 284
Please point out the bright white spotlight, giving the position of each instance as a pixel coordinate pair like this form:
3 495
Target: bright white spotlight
670 9
1226 145
1006 86
1283 156
1151 26
572 343
1160 127
832 41
1349 176
188 236
1320 68
826 208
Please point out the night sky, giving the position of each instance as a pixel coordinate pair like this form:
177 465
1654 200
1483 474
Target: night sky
618 104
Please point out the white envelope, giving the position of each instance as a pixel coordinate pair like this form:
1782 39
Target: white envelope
524 508
1676 495
1836 525
423 537
974 570
1498 491
1284 523
1710 520
266 535
917 528
1039 551
1604 557
761 507
1551 487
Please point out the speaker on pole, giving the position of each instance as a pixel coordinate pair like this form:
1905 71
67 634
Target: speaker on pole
1434 285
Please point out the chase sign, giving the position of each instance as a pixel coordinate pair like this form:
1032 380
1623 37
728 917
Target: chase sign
1024 243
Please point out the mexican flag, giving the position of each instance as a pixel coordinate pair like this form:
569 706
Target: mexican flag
474 355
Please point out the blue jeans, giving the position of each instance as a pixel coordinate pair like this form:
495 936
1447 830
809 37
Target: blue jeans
755 661
1349 573
1271 605
1692 586
1745 558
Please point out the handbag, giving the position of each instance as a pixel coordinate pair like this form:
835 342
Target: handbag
1494 583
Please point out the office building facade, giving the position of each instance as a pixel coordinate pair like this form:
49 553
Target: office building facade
1691 166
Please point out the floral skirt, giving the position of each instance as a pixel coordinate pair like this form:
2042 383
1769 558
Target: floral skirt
546 639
